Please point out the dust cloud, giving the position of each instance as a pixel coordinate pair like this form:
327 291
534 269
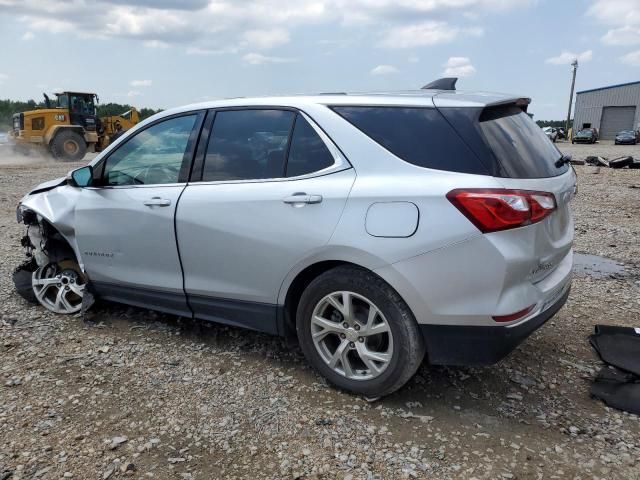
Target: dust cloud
10 156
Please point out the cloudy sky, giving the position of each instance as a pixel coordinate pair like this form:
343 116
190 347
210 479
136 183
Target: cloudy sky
162 53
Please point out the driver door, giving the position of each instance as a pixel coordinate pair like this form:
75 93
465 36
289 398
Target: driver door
125 225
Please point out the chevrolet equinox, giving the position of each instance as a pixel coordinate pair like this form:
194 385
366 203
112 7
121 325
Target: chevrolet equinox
378 229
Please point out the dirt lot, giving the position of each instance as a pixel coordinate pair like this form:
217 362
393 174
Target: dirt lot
128 392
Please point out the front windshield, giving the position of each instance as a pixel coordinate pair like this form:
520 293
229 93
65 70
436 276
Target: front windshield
585 133
82 104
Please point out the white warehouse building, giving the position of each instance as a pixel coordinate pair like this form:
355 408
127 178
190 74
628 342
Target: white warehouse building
609 109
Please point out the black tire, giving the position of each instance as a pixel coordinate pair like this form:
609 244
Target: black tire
68 146
22 280
408 344
621 162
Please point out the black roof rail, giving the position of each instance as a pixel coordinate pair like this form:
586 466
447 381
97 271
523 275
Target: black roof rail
446 83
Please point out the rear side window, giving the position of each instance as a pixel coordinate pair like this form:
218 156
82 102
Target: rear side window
420 136
308 152
248 144
519 145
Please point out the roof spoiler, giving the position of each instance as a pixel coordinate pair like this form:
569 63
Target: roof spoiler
446 83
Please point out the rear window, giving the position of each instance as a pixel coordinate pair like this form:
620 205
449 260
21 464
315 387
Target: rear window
519 145
420 136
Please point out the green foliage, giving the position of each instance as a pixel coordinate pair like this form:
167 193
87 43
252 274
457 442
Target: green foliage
553 123
9 107
108 109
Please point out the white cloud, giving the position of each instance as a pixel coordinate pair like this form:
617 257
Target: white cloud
623 18
141 83
265 39
207 27
565 58
3 77
383 70
627 35
458 67
259 59
211 51
425 34
133 93
632 58
26 36
155 44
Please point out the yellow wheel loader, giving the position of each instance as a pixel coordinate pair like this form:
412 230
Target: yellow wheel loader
69 127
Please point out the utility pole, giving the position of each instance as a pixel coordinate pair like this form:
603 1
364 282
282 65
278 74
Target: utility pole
574 64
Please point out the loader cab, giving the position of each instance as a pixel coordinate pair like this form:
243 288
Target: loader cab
81 108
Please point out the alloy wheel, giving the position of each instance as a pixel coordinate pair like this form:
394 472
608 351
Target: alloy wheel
352 335
59 287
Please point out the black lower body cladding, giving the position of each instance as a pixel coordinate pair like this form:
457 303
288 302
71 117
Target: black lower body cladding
470 346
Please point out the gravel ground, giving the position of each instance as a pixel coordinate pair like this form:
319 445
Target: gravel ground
130 393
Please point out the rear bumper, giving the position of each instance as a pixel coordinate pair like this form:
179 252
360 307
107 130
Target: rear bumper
481 345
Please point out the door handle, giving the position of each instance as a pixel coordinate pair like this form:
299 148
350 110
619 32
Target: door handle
297 198
157 202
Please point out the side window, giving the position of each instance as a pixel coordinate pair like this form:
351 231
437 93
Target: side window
153 156
247 145
308 153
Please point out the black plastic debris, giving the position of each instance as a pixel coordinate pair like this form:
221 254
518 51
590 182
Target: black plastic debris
621 162
618 383
596 161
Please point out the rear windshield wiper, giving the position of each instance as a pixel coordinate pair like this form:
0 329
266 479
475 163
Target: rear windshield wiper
563 160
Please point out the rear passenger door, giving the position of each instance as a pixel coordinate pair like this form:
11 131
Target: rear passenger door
270 188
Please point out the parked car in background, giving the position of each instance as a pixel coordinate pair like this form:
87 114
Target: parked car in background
584 136
551 133
375 229
626 137
562 135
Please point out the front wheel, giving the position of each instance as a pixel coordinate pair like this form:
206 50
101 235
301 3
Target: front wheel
358 333
59 287
68 146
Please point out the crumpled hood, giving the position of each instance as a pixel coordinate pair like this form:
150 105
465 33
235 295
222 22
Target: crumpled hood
50 185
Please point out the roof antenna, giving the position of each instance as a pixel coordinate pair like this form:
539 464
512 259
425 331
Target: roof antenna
446 83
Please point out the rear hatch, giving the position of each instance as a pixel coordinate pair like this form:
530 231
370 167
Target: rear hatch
516 151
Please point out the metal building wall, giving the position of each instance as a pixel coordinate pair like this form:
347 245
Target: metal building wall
589 104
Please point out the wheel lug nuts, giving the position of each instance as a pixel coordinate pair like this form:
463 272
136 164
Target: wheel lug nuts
351 344
342 335
361 339
345 325
357 327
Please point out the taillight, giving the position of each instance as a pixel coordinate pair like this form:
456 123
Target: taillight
495 209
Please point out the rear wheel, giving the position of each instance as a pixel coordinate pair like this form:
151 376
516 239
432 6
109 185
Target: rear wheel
358 333
68 146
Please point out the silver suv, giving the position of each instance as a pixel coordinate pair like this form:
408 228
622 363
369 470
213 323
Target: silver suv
376 228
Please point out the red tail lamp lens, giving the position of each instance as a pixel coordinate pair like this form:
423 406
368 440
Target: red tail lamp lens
492 210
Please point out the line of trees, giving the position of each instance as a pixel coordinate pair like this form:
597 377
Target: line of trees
553 123
9 107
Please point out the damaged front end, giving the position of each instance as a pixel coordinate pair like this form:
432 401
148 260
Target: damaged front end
51 274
